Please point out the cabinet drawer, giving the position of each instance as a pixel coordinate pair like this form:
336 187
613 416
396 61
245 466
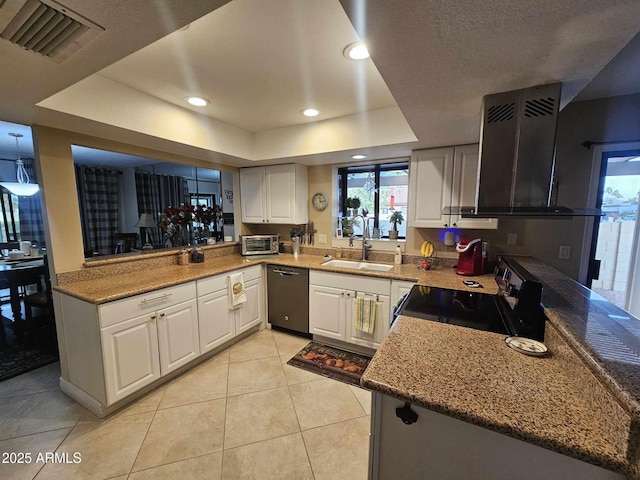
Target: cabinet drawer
114 312
219 282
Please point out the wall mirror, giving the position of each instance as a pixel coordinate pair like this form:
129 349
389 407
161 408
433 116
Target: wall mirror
132 205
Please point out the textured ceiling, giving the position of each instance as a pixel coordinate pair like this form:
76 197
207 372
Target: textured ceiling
437 58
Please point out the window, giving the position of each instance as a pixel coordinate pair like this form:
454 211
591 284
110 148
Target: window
382 189
9 220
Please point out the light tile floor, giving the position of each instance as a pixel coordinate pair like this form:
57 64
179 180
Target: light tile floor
243 414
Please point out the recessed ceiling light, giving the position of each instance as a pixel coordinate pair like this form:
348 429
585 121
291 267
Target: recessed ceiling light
359 156
310 112
197 101
356 51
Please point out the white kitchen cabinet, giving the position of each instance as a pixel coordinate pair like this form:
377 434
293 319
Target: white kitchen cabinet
130 356
274 194
253 194
332 309
372 340
443 447
178 337
399 288
465 178
217 321
430 184
250 313
328 311
440 178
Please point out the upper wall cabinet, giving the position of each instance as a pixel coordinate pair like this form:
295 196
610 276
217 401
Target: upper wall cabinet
274 194
440 178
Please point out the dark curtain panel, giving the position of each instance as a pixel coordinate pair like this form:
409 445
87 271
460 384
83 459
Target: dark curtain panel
29 211
155 193
98 196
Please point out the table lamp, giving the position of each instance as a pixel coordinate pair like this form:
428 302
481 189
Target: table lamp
146 221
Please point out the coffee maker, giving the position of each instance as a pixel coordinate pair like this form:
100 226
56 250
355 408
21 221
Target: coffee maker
470 258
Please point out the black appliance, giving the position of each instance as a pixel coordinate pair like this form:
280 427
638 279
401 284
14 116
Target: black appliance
288 298
515 310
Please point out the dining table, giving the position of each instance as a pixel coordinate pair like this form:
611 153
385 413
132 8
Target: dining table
16 273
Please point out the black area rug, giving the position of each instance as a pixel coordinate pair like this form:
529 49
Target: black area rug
331 362
18 359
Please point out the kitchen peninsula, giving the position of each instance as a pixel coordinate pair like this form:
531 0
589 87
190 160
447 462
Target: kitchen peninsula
575 402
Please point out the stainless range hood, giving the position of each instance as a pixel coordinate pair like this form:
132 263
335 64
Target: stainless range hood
517 156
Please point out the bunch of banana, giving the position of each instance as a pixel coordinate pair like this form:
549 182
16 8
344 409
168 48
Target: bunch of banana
424 290
427 248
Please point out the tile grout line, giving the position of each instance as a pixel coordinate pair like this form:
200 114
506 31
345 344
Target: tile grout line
224 423
306 451
58 447
145 437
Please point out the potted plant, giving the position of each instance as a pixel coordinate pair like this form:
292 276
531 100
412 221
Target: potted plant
396 218
352 204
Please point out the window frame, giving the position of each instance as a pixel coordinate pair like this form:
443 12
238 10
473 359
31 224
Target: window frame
377 169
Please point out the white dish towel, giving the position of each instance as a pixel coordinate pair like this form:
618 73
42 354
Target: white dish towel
237 294
365 313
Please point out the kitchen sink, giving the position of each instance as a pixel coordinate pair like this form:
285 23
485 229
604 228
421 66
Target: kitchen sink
377 267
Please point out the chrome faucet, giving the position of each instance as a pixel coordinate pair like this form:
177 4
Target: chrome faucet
366 246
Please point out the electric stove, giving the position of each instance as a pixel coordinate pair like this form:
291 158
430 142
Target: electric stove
515 310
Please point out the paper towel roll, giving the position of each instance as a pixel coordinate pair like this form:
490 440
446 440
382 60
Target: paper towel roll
449 238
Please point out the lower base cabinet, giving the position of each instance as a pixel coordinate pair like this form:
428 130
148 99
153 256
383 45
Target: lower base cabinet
332 309
115 349
131 356
443 447
218 322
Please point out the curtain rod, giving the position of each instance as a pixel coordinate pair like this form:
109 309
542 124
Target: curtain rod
588 144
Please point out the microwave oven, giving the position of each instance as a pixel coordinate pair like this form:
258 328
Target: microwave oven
259 244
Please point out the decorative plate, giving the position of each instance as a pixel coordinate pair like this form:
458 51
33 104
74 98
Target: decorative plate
527 346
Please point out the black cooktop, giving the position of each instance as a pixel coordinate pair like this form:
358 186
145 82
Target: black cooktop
466 309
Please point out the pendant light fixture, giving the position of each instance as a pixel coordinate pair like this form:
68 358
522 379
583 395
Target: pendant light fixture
22 187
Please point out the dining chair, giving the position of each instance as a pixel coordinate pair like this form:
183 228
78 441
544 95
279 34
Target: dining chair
43 297
125 242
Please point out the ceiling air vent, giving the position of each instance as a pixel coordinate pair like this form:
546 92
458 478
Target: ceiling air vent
47 28
500 113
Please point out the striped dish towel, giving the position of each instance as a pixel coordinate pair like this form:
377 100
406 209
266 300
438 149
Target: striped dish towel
365 313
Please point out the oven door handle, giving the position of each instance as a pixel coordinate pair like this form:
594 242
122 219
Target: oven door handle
395 309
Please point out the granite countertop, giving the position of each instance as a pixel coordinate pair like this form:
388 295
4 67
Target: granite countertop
554 402
581 400
115 287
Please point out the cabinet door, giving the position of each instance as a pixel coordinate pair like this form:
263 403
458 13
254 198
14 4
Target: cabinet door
216 321
281 190
327 313
249 314
178 335
371 340
430 180
252 194
130 356
465 178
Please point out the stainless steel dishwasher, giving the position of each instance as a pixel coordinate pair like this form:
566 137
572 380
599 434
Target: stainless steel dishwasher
288 298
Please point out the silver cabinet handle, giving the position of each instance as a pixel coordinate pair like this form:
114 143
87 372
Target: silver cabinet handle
146 301
284 272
